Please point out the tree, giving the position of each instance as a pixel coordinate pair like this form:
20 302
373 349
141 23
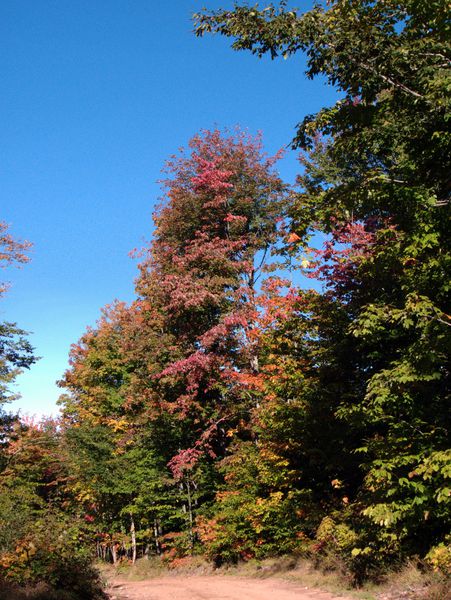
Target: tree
12 251
42 539
214 230
16 353
375 181
161 375
112 455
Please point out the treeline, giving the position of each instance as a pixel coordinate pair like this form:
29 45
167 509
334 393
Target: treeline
232 413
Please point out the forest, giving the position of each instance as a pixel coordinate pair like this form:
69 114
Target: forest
232 410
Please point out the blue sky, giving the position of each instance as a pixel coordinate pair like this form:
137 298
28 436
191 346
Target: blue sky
96 94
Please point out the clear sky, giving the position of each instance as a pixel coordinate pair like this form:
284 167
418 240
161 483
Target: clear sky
96 94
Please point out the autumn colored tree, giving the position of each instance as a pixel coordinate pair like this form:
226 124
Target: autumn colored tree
43 535
160 376
213 232
12 251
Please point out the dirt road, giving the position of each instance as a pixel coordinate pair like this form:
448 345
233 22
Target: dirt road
214 588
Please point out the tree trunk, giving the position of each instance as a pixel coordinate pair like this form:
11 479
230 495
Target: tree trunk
190 515
114 553
156 531
133 536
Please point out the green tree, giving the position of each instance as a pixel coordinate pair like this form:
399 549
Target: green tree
16 352
114 454
375 181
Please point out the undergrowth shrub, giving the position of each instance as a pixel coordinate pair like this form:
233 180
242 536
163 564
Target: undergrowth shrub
51 552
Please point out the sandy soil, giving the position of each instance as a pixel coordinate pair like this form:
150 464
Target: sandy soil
214 588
